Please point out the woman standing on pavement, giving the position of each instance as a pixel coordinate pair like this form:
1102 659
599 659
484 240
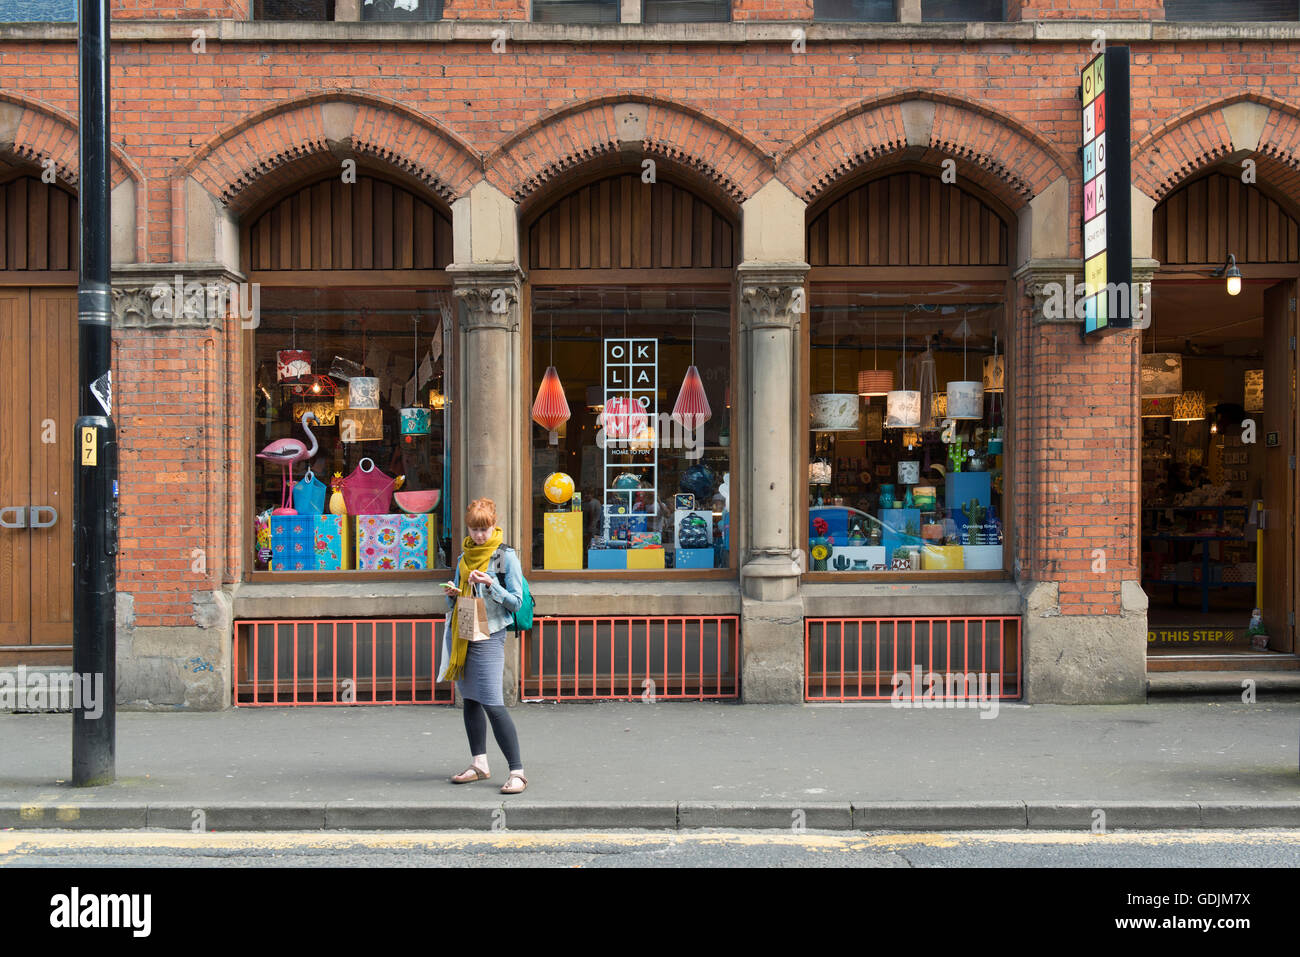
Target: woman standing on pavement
478 666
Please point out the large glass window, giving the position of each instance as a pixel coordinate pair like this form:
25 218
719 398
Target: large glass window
575 11
638 476
293 9
907 428
401 10
964 10
349 457
854 10
1237 10
685 11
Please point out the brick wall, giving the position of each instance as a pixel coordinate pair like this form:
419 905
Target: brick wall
737 111
181 9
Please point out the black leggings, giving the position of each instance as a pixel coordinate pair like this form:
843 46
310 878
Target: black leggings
503 729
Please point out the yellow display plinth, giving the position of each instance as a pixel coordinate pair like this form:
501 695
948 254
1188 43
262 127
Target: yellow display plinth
562 540
942 557
645 558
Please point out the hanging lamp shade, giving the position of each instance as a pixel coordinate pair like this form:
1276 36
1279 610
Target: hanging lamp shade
1158 407
1162 375
995 373
835 412
965 400
939 406
692 407
292 364
551 408
873 382
819 473
363 392
1189 407
1254 391
903 409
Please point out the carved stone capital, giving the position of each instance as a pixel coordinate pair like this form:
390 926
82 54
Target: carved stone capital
490 293
772 295
183 296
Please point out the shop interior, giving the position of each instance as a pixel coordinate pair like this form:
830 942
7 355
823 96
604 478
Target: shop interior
631 434
1207 434
907 431
350 426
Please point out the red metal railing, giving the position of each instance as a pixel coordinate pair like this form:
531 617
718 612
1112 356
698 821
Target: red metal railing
668 657
863 659
339 662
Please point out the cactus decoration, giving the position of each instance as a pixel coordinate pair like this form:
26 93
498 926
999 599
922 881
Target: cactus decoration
975 514
841 563
956 455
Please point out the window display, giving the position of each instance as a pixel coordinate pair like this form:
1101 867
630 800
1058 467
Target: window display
350 426
906 472
631 456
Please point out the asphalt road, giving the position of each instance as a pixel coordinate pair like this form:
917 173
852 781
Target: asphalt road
1187 848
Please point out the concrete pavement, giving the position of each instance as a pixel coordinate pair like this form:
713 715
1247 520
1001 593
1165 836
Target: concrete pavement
672 765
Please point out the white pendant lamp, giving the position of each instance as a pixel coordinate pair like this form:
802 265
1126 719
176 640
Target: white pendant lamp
834 411
903 407
965 396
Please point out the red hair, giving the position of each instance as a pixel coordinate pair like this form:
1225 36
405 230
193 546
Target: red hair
482 513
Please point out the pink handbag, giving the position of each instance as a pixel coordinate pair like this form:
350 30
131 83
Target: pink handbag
368 491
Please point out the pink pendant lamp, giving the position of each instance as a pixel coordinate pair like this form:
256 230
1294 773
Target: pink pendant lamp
551 408
692 407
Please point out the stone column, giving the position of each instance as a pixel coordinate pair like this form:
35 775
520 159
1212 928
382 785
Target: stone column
489 377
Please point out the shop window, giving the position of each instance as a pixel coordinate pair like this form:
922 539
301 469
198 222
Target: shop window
1239 10
964 10
638 476
293 9
907 429
349 457
685 11
575 11
865 11
387 10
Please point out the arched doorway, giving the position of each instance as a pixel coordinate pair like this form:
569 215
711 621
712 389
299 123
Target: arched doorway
630 302
38 345
909 441
1219 428
346 389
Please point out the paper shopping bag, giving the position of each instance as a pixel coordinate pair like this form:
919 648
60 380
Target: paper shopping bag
471 619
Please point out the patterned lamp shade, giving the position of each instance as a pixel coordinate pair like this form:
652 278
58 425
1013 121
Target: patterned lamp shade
835 412
551 408
995 373
1254 390
875 382
1162 375
939 406
1158 407
903 409
1189 407
965 400
363 393
819 473
692 406
292 364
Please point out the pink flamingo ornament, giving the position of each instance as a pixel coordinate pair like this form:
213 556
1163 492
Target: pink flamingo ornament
289 452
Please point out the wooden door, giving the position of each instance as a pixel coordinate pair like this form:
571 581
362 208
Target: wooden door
15 468
1279 559
38 334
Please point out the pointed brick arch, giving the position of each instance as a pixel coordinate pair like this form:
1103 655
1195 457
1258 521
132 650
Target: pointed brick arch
244 165
1214 132
992 152
582 135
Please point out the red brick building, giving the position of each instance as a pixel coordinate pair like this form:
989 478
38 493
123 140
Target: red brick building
453 206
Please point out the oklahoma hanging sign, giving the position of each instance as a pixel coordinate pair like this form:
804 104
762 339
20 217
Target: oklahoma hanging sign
1108 303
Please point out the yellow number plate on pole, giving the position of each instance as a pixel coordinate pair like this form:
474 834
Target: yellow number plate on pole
89 446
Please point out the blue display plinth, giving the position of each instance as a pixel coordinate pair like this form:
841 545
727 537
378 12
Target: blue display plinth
895 522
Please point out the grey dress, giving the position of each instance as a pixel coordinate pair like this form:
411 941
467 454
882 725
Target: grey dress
485 661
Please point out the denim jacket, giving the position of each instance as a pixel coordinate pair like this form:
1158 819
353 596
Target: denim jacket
501 603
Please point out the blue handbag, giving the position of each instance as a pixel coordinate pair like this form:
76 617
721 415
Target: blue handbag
309 495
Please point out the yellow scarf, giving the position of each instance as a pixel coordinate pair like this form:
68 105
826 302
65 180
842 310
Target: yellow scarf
475 558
